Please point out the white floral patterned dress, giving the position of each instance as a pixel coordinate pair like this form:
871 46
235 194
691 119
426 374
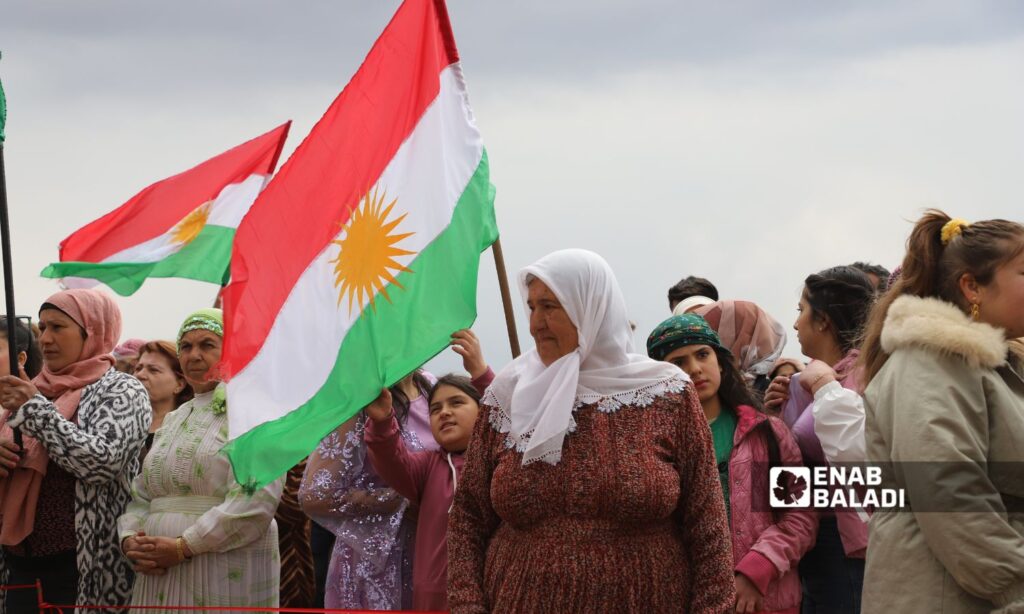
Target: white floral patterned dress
187 489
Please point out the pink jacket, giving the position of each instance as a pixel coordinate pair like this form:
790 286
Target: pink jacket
765 550
428 480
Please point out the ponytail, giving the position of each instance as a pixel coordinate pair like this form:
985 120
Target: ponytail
936 259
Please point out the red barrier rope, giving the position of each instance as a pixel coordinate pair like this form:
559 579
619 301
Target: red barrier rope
59 608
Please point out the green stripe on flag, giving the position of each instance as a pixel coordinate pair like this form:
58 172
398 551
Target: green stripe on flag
206 258
3 111
386 344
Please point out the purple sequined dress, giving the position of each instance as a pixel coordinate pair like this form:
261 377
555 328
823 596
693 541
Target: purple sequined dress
371 565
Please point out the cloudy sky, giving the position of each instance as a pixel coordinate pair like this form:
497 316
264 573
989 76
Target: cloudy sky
750 142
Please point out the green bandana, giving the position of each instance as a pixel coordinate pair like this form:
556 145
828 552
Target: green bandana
680 331
205 319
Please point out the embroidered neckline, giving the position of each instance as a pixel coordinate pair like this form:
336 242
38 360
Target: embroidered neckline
218 402
501 421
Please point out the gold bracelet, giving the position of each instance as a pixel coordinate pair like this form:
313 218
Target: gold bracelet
181 549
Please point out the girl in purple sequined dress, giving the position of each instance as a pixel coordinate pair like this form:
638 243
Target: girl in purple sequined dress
371 565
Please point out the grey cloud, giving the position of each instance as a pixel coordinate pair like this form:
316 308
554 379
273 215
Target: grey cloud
149 49
751 142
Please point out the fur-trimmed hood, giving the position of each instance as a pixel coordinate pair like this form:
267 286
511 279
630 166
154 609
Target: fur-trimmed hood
935 325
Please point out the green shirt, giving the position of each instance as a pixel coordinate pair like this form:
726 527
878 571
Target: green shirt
723 428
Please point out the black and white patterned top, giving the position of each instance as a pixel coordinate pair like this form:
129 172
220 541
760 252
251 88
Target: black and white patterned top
102 453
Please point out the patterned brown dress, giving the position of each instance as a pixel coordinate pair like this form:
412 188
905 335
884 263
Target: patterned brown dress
298 582
631 519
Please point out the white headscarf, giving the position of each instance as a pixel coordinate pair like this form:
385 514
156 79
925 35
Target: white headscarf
534 403
691 302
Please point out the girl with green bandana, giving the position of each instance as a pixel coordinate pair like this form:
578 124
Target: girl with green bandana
767 544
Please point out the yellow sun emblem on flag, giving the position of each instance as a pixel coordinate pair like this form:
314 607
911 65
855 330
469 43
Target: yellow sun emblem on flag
189 228
366 261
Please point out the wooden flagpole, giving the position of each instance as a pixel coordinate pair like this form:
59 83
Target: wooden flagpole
506 297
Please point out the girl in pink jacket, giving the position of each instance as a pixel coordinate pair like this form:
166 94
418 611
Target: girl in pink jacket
767 543
429 479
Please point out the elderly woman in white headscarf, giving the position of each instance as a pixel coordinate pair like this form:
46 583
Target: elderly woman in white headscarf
590 482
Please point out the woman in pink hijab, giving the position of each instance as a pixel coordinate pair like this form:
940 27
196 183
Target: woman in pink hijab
82 423
755 338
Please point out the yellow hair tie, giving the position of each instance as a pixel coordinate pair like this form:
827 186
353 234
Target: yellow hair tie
953 228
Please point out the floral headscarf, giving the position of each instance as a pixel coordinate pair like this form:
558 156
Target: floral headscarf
681 331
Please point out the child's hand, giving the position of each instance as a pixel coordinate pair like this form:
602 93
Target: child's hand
748 598
380 409
465 344
777 394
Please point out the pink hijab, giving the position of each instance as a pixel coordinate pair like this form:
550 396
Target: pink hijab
755 338
100 318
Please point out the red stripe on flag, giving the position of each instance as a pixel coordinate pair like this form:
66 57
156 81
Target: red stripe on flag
303 208
154 210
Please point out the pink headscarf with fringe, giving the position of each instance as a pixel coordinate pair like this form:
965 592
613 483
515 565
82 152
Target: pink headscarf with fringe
755 338
100 318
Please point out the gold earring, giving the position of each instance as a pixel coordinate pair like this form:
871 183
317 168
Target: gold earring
975 310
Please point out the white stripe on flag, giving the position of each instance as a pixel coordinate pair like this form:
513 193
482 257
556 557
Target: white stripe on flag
228 209
427 175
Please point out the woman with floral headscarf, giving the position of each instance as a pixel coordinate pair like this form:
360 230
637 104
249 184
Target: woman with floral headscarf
590 483
193 534
83 423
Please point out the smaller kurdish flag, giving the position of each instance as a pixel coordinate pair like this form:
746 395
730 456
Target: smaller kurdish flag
182 226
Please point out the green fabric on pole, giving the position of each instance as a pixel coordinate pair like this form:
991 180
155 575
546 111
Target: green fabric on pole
207 258
3 111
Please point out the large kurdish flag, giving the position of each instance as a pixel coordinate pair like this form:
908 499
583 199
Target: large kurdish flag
182 226
360 258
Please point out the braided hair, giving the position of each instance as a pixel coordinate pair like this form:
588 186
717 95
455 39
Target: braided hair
841 296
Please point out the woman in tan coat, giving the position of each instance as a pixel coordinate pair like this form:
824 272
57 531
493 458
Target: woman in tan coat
945 420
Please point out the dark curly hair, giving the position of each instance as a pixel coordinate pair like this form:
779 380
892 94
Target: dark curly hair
842 296
691 286
879 271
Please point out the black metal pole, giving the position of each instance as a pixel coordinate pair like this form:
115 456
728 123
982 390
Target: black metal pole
5 235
